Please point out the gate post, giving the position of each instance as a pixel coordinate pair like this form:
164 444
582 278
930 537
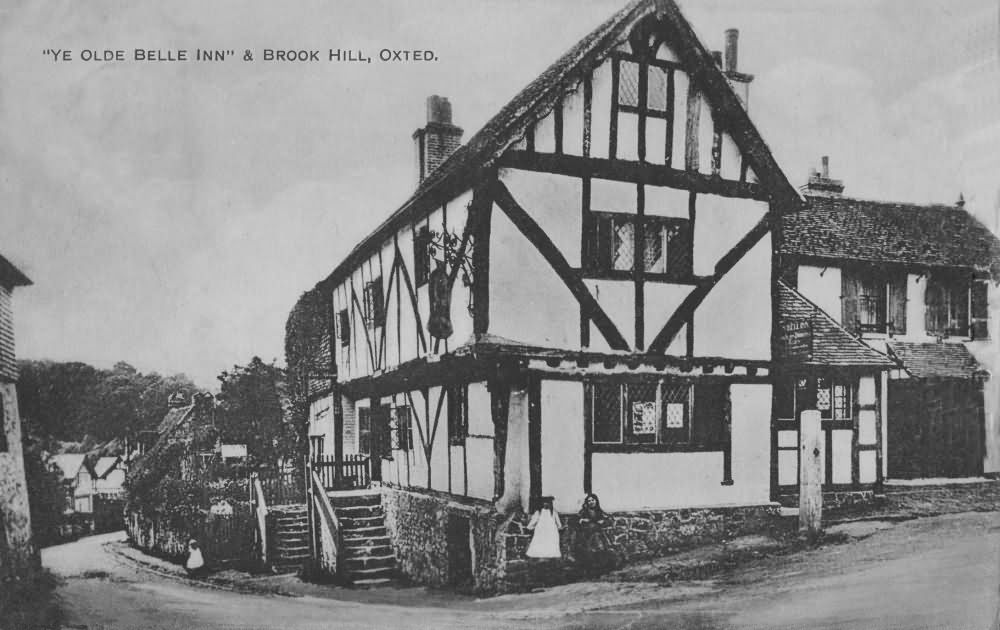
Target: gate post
810 475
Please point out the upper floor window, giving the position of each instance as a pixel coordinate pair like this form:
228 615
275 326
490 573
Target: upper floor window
374 306
680 415
644 108
657 246
401 429
344 326
422 256
874 301
955 306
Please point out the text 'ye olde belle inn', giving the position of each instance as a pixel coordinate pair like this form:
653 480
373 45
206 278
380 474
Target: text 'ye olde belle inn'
612 287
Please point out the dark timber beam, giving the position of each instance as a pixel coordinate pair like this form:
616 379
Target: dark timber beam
534 233
500 409
694 299
534 440
631 171
482 208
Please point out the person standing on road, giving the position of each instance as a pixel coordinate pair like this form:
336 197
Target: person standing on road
195 562
545 525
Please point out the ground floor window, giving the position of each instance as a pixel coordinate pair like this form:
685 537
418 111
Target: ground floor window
668 413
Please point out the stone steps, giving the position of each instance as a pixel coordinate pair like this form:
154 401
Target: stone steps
368 556
289 545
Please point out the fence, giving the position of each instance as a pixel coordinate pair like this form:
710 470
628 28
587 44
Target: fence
223 538
351 472
283 488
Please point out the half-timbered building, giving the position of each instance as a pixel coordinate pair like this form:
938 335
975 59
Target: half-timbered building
916 283
578 299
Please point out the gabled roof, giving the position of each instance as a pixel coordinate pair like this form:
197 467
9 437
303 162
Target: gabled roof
174 418
11 276
479 154
929 360
105 465
831 344
70 464
845 228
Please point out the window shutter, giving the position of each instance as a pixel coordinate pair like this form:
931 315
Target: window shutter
897 305
980 309
849 301
709 413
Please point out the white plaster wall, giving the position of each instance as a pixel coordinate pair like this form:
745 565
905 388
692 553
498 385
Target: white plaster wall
720 223
617 299
681 83
661 300
666 202
545 134
611 196
821 285
629 481
479 444
885 424
536 307
706 134
732 159
734 320
600 110
573 122
987 353
555 202
842 456
562 443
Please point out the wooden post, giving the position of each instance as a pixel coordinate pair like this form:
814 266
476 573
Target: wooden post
810 475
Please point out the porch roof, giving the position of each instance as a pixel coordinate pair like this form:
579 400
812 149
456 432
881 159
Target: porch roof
827 343
940 360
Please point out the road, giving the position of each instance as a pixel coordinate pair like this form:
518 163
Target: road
940 572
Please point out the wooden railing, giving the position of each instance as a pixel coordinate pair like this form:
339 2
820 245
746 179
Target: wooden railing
351 472
282 488
326 535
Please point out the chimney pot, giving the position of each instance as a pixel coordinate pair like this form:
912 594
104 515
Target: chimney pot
717 56
438 109
961 200
826 166
437 139
732 49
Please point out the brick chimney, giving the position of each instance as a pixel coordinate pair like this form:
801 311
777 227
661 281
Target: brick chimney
740 81
438 139
820 183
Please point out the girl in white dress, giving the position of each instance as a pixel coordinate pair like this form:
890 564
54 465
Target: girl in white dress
545 525
195 562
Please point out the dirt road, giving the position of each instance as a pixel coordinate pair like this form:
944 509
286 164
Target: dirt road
940 572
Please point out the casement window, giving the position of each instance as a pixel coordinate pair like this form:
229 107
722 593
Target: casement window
618 243
672 414
458 414
374 307
422 256
401 430
364 430
834 399
344 327
954 306
873 301
645 91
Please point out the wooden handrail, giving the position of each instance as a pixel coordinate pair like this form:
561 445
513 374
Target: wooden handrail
327 522
261 518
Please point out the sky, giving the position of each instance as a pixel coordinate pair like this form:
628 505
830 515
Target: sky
171 213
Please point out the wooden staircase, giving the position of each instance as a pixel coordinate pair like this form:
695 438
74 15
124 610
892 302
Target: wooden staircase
289 545
368 556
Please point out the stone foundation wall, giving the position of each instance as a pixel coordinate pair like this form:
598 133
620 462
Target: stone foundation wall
837 499
419 523
633 535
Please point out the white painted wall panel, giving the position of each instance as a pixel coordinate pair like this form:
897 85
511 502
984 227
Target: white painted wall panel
480 454
842 456
680 118
866 466
562 443
480 413
555 203
545 134
732 159
734 320
600 110
656 139
617 298
867 433
706 134
788 468
535 307
628 136
611 196
821 286
573 122
661 301
916 285
666 202
720 224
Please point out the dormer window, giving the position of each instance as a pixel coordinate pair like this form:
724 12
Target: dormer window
956 306
873 301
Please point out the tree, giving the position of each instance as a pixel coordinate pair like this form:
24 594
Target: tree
252 409
46 491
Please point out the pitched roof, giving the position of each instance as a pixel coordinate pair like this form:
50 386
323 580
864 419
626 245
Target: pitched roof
829 343
457 173
69 463
832 226
11 276
928 360
174 417
105 465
